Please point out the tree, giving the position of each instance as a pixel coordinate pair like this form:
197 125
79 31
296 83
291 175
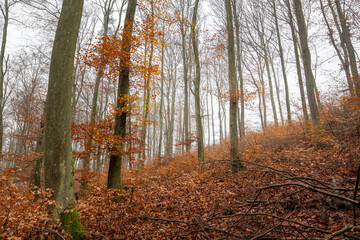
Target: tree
114 175
234 142
107 10
297 59
5 12
59 166
282 62
239 60
199 127
346 36
306 56
343 56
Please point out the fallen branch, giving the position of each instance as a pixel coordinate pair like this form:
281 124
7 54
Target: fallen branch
204 227
339 232
315 190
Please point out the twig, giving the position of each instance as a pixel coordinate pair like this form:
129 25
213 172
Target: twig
339 232
272 229
315 190
51 230
274 216
253 202
197 224
355 193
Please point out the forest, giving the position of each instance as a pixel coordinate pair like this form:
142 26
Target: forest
186 119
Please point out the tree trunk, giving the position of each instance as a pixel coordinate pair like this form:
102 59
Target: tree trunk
277 88
186 87
161 94
147 84
234 143
88 146
199 127
59 166
298 65
115 165
240 72
350 48
5 12
282 63
306 56
343 59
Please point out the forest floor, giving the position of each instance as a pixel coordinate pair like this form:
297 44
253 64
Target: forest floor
298 183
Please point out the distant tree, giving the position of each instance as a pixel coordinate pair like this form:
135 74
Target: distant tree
58 162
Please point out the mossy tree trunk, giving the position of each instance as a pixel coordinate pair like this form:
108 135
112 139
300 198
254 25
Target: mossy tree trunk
114 175
58 162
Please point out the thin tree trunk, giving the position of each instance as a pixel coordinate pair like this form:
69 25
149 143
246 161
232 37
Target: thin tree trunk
298 64
350 48
161 93
186 87
277 88
240 72
212 114
199 127
5 13
344 60
88 145
114 175
282 64
234 143
147 88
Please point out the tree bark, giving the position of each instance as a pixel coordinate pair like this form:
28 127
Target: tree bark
115 165
58 163
306 56
350 48
297 58
199 127
161 94
343 59
5 13
186 87
234 142
240 72
282 63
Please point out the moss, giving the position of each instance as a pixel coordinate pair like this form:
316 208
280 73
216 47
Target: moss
71 223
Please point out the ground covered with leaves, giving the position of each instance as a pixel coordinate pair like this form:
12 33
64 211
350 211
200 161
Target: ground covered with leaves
298 183
299 192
